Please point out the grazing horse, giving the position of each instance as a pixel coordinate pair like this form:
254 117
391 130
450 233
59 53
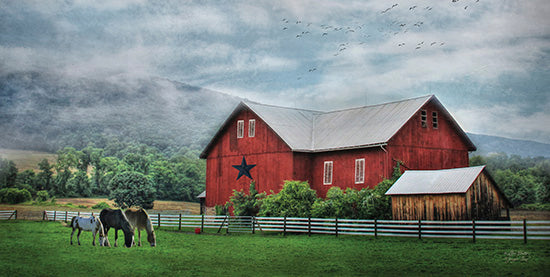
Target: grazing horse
140 220
116 219
91 223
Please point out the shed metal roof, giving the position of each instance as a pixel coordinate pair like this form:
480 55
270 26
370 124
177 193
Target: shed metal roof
456 180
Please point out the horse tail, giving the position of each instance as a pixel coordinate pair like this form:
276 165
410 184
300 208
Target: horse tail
148 224
72 221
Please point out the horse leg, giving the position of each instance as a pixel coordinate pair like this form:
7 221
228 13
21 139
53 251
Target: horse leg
72 236
78 236
116 236
94 232
139 237
106 241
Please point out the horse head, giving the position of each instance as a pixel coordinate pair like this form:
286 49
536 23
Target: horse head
152 238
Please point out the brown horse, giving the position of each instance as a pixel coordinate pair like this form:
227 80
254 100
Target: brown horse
116 219
140 220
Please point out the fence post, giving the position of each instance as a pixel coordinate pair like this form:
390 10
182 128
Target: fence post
524 230
202 223
309 226
54 215
375 228
253 225
336 227
420 229
473 231
15 214
79 213
44 216
179 223
284 227
66 213
158 220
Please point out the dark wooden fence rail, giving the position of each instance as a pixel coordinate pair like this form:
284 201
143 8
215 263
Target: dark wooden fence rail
521 230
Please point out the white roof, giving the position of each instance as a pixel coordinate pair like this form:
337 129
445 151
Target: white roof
316 131
456 180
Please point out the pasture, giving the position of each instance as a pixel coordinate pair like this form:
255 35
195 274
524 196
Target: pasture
42 249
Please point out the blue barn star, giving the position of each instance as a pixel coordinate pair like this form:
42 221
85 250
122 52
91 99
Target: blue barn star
244 169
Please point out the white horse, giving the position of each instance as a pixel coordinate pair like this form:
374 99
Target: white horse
91 223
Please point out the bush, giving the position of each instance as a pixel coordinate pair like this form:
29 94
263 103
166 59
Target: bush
101 205
247 204
14 196
294 200
42 196
222 209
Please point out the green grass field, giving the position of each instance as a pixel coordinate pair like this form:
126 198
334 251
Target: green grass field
34 248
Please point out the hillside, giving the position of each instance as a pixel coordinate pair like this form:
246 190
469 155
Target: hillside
493 144
47 112
43 111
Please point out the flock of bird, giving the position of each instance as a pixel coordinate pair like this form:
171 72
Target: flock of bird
357 34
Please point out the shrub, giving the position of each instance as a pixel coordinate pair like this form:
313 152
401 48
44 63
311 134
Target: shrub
222 209
101 205
42 196
294 200
14 195
247 204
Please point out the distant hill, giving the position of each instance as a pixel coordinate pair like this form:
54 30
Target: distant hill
493 144
42 111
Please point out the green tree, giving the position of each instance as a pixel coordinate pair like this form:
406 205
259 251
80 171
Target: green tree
518 187
8 173
27 180
44 177
132 189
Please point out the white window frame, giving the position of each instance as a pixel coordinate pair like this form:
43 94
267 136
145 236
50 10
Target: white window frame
251 128
328 172
360 171
435 121
240 128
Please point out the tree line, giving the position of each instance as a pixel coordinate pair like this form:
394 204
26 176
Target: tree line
95 171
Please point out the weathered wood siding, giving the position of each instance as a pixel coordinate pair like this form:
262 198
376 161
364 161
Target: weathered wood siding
481 201
273 159
484 200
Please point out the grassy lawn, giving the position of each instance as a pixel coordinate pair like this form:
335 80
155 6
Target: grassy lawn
42 249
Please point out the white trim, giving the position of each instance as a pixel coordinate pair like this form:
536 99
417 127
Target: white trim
251 128
240 128
359 171
327 173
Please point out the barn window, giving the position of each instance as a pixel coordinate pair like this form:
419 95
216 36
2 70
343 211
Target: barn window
434 120
423 118
359 171
240 128
251 128
327 180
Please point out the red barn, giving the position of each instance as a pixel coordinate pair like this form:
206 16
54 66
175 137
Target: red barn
353 148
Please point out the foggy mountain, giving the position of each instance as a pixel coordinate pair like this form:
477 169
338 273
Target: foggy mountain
43 111
487 145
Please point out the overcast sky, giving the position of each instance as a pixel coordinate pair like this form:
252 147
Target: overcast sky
487 61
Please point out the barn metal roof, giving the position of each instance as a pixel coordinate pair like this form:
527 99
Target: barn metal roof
316 131
456 180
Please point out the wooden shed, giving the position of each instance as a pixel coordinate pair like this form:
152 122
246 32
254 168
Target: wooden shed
449 194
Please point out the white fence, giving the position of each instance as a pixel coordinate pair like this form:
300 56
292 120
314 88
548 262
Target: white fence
6 215
522 230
